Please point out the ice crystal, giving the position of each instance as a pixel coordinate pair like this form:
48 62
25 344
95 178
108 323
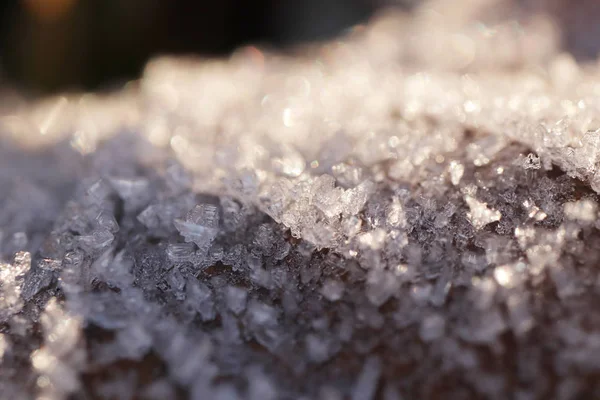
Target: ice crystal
410 211
480 215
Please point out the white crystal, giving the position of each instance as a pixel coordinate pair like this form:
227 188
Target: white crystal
60 359
584 210
373 240
395 214
456 172
12 278
510 275
534 211
480 215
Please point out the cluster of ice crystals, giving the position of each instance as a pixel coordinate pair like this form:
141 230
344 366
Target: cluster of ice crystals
61 358
200 226
408 212
480 215
582 210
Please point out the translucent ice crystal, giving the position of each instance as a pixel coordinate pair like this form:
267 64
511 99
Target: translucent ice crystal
200 225
200 298
179 252
96 240
236 299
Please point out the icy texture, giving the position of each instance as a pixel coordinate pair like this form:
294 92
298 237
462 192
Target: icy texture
409 212
200 226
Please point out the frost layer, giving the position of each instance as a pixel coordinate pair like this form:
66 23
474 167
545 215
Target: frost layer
410 212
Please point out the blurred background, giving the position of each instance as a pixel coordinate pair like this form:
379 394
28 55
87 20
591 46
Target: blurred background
52 45
57 45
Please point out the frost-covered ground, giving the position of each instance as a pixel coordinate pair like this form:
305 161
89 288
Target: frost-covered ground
408 213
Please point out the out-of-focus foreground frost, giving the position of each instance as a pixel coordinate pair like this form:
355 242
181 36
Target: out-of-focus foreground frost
409 212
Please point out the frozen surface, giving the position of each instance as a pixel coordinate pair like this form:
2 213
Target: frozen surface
408 213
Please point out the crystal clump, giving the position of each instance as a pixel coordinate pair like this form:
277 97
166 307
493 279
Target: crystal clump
200 225
407 212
